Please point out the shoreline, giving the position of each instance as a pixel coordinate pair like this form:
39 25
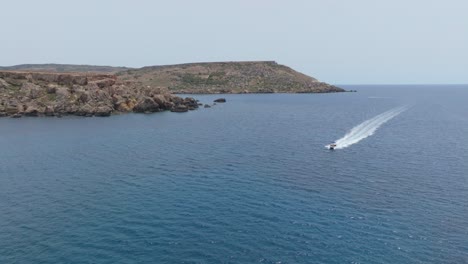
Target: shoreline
51 92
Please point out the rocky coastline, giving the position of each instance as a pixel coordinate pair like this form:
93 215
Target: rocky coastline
47 90
82 94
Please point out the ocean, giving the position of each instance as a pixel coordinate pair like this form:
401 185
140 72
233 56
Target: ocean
248 181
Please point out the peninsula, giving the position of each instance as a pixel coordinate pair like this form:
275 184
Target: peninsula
57 89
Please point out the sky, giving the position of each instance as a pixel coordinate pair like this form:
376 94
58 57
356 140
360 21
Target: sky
336 41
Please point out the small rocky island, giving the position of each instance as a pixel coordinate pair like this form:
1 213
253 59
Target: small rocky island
57 90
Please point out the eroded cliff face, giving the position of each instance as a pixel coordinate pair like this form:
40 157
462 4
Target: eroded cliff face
82 94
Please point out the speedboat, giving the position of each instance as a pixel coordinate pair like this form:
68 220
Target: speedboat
332 146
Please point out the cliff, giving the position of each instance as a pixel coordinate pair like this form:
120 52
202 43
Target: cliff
228 77
83 94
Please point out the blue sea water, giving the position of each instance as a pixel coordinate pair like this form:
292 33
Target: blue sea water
248 181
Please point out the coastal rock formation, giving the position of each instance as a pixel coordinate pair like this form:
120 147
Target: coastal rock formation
47 90
192 78
228 77
81 94
147 104
220 100
180 109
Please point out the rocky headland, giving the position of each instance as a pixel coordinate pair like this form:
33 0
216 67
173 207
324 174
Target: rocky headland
228 77
46 90
82 94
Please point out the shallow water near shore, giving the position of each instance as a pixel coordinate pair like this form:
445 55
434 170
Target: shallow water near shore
248 181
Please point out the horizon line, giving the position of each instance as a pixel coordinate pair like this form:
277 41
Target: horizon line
413 84
228 61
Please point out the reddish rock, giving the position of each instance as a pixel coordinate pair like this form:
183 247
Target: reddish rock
147 104
83 94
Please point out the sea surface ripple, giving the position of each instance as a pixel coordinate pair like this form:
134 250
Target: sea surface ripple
243 182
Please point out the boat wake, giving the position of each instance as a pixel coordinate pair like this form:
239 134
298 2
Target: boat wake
367 128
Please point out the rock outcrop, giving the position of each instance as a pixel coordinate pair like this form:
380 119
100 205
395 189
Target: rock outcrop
220 100
81 94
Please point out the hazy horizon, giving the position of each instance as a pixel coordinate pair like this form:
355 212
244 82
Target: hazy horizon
340 42
347 84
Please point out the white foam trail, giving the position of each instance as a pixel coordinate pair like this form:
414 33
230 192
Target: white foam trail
367 128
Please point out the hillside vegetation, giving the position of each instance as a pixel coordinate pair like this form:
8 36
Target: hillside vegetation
202 78
228 77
